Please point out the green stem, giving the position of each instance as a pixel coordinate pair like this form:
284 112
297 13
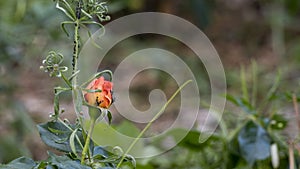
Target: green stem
150 123
66 80
87 141
77 138
254 83
74 84
76 91
75 52
97 75
244 84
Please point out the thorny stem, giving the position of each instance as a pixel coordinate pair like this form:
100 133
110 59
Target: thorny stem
150 123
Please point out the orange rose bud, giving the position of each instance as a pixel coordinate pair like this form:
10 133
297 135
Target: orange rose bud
103 98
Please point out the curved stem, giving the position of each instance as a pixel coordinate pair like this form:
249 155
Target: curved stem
150 123
98 75
77 138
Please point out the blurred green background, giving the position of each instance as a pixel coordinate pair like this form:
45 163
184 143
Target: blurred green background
242 31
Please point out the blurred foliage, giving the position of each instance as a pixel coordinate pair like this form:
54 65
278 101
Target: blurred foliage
242 141
24 32
29 27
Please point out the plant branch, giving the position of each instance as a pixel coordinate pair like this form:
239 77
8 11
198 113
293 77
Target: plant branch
66 80
75 52
87 141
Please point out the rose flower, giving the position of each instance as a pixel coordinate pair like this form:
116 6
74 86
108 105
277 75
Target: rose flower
101 98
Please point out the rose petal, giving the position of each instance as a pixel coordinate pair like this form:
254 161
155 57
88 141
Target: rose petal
101 99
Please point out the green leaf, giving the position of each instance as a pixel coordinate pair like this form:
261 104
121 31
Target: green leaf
42 164
254 143
191 141
109 116
22 162
84 23
272 92
289 96
131 160
97 75
57 135
66 8
128 129
242 103
72 141
278 122
86 14
78 100
104 156
64 162
254 82
244 84
57 92
99 150
57 131
92 90
64 28
73 75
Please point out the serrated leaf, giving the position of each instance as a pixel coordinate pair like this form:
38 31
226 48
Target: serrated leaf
254 143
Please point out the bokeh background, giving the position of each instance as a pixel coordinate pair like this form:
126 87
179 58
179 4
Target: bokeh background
266 32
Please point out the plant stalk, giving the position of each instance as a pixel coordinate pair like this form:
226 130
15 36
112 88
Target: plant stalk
87 141
75 53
